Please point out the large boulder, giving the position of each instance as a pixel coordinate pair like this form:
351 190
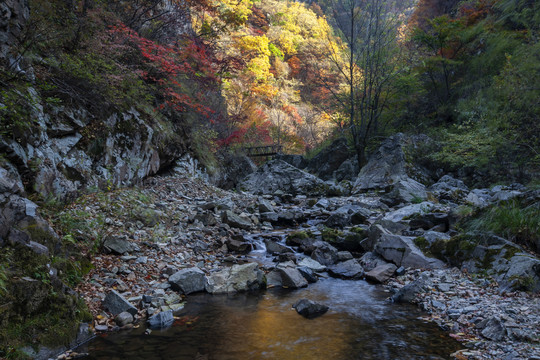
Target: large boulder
381 273
410 292
449 188
291 277
233 169
402 251
309 309
236 221
350 269
389 164
237 278
298 161
386 167
406 190
277 175
116 304
188 280
325 163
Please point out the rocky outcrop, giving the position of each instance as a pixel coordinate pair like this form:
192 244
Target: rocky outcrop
389 166
13 16
325 163
277 175
233 168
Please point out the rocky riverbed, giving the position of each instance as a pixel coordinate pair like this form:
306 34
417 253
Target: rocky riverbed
177 235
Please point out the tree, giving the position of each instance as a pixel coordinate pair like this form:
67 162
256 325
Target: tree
366 64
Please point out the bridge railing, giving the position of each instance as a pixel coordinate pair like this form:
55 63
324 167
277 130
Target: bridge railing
268 150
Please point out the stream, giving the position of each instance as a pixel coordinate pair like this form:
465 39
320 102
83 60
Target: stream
361 324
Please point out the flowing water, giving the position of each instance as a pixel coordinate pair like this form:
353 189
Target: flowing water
361 324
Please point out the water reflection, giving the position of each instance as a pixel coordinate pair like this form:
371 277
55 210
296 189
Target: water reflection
359 325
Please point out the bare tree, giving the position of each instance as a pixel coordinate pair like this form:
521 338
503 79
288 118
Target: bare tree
367 65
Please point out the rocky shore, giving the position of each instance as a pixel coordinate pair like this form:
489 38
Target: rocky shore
178 235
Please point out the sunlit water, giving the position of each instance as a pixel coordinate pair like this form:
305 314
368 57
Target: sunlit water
361 324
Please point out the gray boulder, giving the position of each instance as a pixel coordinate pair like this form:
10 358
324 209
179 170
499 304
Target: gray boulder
265 206
234 168
371 260
348 170
116 304
402 251
406 190
277 175
162 320
124 318
237 278
233 220
449 188
312 264
350 269
386 167
325 254
326 162
409 292
308 274
118 245
291 277
381 273
188 280
309 309
409 211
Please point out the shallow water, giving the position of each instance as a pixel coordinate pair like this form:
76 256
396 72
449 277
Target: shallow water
361 324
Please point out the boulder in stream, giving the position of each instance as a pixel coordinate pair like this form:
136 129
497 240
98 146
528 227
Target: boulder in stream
188 280
309 309
350 269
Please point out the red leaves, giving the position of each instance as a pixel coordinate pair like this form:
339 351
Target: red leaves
169 65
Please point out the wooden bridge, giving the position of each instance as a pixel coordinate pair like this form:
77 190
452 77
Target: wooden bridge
259 151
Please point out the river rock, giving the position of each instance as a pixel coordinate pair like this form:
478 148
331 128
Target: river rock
265 206
273 247
312 264
237 246
325 254
188 280
233 220
381 273
123 319
237 278
291 277
349 269
402 251
277 175
309 309
371 260
118 244
338 220
308 274
409 292
161 320
116 304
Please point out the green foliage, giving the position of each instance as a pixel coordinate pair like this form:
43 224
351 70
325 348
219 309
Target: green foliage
3 279
16 106
511 220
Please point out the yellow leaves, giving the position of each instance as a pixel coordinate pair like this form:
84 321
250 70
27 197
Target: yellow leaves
257 45
260 67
